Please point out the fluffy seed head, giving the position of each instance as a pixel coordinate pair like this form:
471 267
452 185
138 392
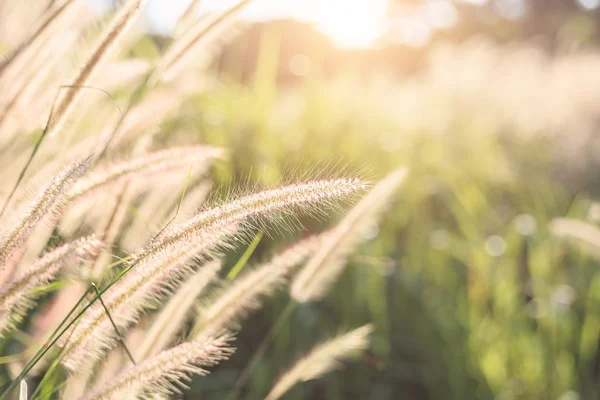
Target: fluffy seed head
17 296
49 202
165 258
322 359
154 280
303 197
323 269
122 21
146 165
166 372
169 321
243 296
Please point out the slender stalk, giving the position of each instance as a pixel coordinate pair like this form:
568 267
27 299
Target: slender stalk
56 362
46 347
260 350
56 336
239 265
45 23
121 339
38 143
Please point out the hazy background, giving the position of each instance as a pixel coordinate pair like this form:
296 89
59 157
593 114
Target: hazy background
495 108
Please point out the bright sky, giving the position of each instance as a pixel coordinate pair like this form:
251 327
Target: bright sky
349 23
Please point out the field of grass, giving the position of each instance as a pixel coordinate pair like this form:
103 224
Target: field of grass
472 294
480 278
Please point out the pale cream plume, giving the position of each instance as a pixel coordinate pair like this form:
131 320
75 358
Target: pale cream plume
243 295
123 20
322 359
49 202
322 270
167 371
170 319
583 233
127 299
145 165
202 35
302 197
18 295
166 257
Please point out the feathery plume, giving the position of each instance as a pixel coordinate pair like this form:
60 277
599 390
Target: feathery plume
170 319
127 299
122 21
321 271
145 165
17 296
52 15
153 108
22 56
303 197
243 296
582 233
322 359
166 257
203 34
49 202
165 207
166 372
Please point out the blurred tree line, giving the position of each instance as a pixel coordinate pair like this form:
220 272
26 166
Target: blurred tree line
414 27
555 23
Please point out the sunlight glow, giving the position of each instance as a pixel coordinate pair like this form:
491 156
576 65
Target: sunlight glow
349 23
357 23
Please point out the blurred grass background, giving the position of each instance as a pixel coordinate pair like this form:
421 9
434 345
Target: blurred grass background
471 295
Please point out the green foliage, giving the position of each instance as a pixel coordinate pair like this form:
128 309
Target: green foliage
471 295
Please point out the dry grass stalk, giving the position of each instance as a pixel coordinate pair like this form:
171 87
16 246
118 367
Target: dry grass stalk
168 322
49 202
322 359
18 295
122 21
147 165
164 373
316 277
243 296
127 299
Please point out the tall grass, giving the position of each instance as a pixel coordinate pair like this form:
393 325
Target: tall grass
480 280
471 292
61 315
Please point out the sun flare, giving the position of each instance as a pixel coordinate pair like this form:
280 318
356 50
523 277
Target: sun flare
349 23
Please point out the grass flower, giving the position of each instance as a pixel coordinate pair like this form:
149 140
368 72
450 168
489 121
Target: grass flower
146 165
122 21
170 319
164 373
244 294
316 277
49 202
18 295
322 359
